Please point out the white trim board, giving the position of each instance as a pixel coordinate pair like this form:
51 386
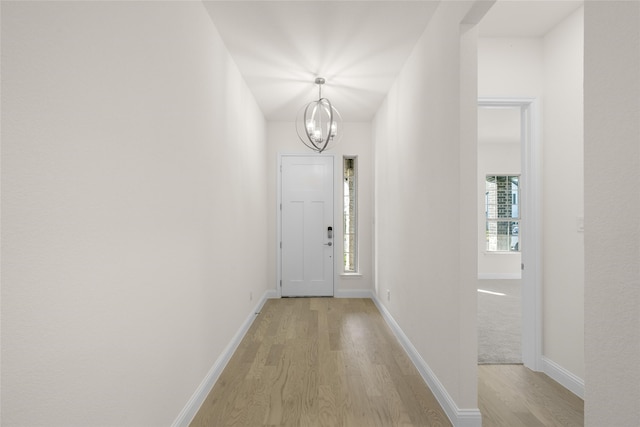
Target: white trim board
190 410
458 417
354 293
500 276
563 377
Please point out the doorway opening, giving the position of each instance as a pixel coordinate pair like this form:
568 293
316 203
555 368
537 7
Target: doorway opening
499 260
509 277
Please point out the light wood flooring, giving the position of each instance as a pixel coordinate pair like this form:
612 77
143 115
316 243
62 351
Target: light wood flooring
320 362
335 362
514 396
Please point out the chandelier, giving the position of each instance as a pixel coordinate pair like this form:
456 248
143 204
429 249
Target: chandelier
318 122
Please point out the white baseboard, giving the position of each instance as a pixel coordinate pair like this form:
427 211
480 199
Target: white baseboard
197 399
500 276
563 377
354 293
458 417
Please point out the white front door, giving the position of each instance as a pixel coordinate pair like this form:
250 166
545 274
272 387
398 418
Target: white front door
307 225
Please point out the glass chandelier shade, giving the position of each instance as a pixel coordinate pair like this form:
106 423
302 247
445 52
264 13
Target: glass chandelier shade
318 123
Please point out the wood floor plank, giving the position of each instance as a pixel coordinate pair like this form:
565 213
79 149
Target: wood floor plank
274 409
327 409
393 401
275 353
258 405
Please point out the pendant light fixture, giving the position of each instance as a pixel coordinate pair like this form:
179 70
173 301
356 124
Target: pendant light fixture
318 124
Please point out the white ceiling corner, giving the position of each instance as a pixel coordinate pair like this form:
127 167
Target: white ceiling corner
525 18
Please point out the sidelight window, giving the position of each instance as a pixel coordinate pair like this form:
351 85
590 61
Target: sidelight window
350 218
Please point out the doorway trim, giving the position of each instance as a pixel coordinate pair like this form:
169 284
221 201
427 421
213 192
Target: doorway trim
531 232
278 238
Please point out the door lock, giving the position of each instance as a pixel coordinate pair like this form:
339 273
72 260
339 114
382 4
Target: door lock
330 232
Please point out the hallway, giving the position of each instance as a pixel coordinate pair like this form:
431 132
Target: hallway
139 207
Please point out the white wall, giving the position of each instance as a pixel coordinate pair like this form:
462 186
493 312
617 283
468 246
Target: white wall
282 139
425 202
550 69
133 209
612 202
563 195
510 67
498 153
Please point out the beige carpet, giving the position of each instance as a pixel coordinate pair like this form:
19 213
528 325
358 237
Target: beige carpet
499 322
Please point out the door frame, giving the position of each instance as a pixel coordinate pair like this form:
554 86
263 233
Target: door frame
279 217
531 233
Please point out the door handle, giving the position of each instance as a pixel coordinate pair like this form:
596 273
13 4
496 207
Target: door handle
328 244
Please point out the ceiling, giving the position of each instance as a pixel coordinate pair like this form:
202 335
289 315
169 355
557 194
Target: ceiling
525 18
359 47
